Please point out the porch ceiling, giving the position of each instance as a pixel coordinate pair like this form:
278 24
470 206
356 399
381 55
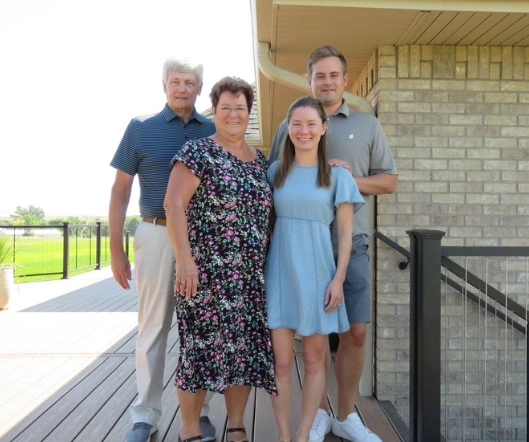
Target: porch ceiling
293 28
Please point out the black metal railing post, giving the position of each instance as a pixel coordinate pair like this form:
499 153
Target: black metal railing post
425 336
98 245
127 237
65 249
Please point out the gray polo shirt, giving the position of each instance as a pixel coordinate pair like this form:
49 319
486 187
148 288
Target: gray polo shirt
358 138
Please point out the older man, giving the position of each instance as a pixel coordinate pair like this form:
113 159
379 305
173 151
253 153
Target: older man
146 149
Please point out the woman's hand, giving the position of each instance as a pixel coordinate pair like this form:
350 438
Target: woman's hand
335 163
186 281
333 295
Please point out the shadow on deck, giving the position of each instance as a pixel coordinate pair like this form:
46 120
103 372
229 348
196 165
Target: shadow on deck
67 370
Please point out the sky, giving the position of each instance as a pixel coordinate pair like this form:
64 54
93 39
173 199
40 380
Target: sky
73 73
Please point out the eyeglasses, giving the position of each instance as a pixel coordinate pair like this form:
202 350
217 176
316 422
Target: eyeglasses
240 110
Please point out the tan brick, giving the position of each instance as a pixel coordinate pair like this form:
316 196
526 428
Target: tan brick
450 131
482 221
466 97
413 84
465 164
483 85
387 50
483 175
501 188
506 63
448 153
387 72
495 71
416 130
517 86
518 63
415 61
431 119
448 175
495 54
472 62
433 96
426 69
482 199
517 198
443 61
431 141
461 71
431 187
499 209
500 142
414 107
395 118
500 120
387 61
449 108
427 52
500 97
483 108
499 165
472 187
466 119
483 153
515 131
483 131
465 232
461 53
403 61
448 85
515 154
484 62
447 198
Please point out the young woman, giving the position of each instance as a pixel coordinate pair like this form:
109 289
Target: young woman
304 283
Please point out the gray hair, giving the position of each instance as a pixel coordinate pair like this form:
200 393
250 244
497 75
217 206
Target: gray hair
183 65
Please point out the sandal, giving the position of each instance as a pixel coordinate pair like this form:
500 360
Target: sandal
190 439
236 430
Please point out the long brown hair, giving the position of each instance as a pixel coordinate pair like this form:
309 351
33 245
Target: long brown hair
288 152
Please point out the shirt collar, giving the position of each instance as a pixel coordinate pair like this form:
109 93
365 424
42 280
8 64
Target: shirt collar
169 115
343 109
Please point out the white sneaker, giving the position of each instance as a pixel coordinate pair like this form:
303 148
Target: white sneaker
353 429
321 426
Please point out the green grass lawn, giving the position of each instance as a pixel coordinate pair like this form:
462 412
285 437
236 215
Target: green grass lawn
38 255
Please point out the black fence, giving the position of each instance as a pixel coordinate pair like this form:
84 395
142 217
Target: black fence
59 250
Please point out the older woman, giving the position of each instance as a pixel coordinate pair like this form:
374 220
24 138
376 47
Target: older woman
218 206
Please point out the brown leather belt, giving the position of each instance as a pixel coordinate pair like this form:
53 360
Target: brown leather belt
154 220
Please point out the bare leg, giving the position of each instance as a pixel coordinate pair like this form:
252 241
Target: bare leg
283 345
324 403
349 365
236 398
190 405
313 381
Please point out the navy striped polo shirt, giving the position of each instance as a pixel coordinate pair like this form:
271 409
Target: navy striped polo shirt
147 148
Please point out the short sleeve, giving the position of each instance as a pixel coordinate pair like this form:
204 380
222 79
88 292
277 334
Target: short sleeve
346 188
271 172
194 156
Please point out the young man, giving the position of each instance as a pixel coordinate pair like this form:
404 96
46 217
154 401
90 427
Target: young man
358 139
146 149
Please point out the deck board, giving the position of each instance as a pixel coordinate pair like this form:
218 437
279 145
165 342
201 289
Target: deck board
67 369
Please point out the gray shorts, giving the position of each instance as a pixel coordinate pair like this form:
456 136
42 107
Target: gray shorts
356 285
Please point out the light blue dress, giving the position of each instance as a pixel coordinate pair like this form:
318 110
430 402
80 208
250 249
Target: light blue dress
300 263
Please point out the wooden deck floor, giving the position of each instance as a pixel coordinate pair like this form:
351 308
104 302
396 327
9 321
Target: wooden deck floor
67 369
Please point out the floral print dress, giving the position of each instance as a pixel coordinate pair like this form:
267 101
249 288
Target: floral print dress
224 335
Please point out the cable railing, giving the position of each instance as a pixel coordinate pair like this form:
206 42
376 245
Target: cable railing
468 342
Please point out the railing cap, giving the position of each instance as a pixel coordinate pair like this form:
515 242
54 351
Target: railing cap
423 233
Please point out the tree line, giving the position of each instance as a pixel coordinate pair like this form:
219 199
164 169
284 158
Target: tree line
35 216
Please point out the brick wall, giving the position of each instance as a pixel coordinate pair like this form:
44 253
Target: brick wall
457 119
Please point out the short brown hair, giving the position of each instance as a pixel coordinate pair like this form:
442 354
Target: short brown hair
234 85
324 52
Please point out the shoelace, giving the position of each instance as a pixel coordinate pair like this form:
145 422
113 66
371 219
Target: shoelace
359 426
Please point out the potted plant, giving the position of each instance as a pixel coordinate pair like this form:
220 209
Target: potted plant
7 273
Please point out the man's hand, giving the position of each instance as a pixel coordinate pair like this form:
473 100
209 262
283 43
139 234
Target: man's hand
335 163
121 269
